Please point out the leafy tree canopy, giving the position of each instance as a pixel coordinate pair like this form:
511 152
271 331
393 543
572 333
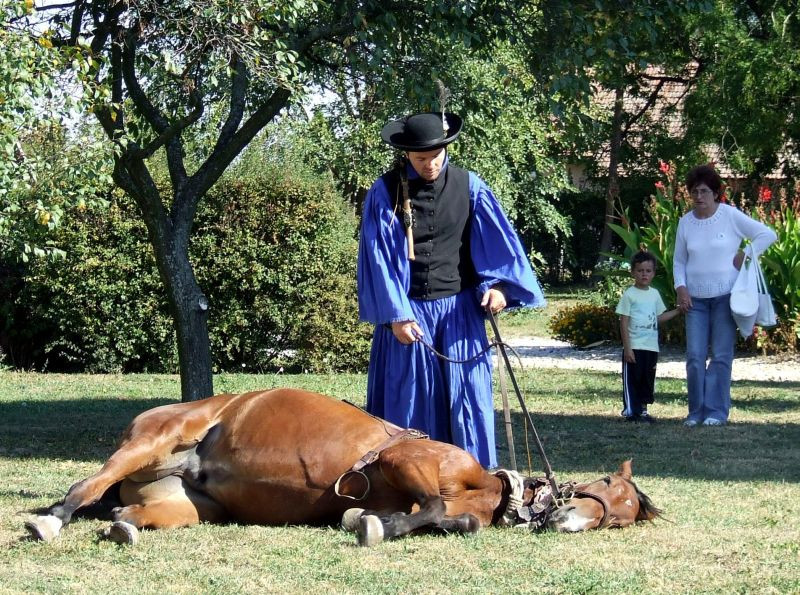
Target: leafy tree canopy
748 99
48 163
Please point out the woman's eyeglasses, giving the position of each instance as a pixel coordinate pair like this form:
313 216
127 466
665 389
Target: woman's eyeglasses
701 192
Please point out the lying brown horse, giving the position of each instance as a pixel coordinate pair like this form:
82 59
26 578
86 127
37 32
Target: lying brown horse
274 457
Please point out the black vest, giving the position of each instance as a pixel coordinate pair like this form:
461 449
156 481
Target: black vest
442 221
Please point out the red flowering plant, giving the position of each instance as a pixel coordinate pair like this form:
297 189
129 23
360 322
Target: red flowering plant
781 265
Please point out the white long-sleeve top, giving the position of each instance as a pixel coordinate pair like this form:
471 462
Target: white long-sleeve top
705 248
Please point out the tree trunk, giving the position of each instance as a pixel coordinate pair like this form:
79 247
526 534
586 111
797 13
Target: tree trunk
169 236
190 315
612 190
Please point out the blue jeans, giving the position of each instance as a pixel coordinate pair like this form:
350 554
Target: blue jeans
709 324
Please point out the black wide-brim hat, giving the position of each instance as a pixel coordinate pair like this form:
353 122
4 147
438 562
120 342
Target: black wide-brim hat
422 132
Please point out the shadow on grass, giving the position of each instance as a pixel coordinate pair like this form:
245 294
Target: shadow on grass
747 395
88 430
598 443
75 429
760 404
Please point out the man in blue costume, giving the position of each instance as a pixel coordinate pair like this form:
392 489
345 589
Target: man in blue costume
436 252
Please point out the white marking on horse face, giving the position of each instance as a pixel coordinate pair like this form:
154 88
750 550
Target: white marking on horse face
573 522
629 503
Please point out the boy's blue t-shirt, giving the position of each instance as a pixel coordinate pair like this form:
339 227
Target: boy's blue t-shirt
643 307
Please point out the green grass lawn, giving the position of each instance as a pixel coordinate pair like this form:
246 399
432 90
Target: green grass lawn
731 494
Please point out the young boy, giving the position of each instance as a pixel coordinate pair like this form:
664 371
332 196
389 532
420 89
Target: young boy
640 310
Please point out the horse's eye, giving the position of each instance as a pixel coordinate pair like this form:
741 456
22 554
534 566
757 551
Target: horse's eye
607 479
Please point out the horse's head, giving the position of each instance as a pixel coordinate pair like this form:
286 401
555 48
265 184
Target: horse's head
612 501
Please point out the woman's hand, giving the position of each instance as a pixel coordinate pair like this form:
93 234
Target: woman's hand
629 356
493 300
738 260
684 299
406 331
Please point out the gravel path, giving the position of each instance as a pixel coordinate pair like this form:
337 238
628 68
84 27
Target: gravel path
548 353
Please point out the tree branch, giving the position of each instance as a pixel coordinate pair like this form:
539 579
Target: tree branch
185 204
168 133
651 99
171 132
47 7
240 80
77 19
665 79
137 94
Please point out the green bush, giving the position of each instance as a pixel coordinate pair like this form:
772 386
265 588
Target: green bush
276 256
584 324
274 250
100 309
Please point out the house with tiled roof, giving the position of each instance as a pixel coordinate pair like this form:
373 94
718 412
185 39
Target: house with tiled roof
658 105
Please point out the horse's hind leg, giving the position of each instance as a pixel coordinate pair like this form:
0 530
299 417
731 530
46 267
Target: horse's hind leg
134 455
165 503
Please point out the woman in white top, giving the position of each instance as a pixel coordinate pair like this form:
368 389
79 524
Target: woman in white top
706 263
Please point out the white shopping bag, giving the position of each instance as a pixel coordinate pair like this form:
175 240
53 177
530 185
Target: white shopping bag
744 295
765 316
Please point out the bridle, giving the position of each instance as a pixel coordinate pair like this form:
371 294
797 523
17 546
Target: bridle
534 516
510 516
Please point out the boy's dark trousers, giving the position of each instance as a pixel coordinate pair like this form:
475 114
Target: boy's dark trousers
638 382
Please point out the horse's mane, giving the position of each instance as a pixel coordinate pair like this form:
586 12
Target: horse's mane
647 510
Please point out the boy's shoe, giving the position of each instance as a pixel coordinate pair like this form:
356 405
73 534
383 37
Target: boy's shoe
648 418
633 418
713 421
690 423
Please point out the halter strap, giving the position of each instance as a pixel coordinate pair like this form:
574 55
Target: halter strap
604 522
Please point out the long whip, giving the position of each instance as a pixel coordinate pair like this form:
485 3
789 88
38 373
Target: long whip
548 470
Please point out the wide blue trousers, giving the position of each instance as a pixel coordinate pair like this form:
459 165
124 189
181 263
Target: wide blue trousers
410 386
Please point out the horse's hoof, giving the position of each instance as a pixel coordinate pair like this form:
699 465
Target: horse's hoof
370 530
350 519
122 532
44 528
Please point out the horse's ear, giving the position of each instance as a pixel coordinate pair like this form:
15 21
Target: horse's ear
626 470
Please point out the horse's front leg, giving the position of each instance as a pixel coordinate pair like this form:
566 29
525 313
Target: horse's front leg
373 529
417 477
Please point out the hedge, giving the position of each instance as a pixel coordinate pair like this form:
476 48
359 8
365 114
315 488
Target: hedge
273 249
